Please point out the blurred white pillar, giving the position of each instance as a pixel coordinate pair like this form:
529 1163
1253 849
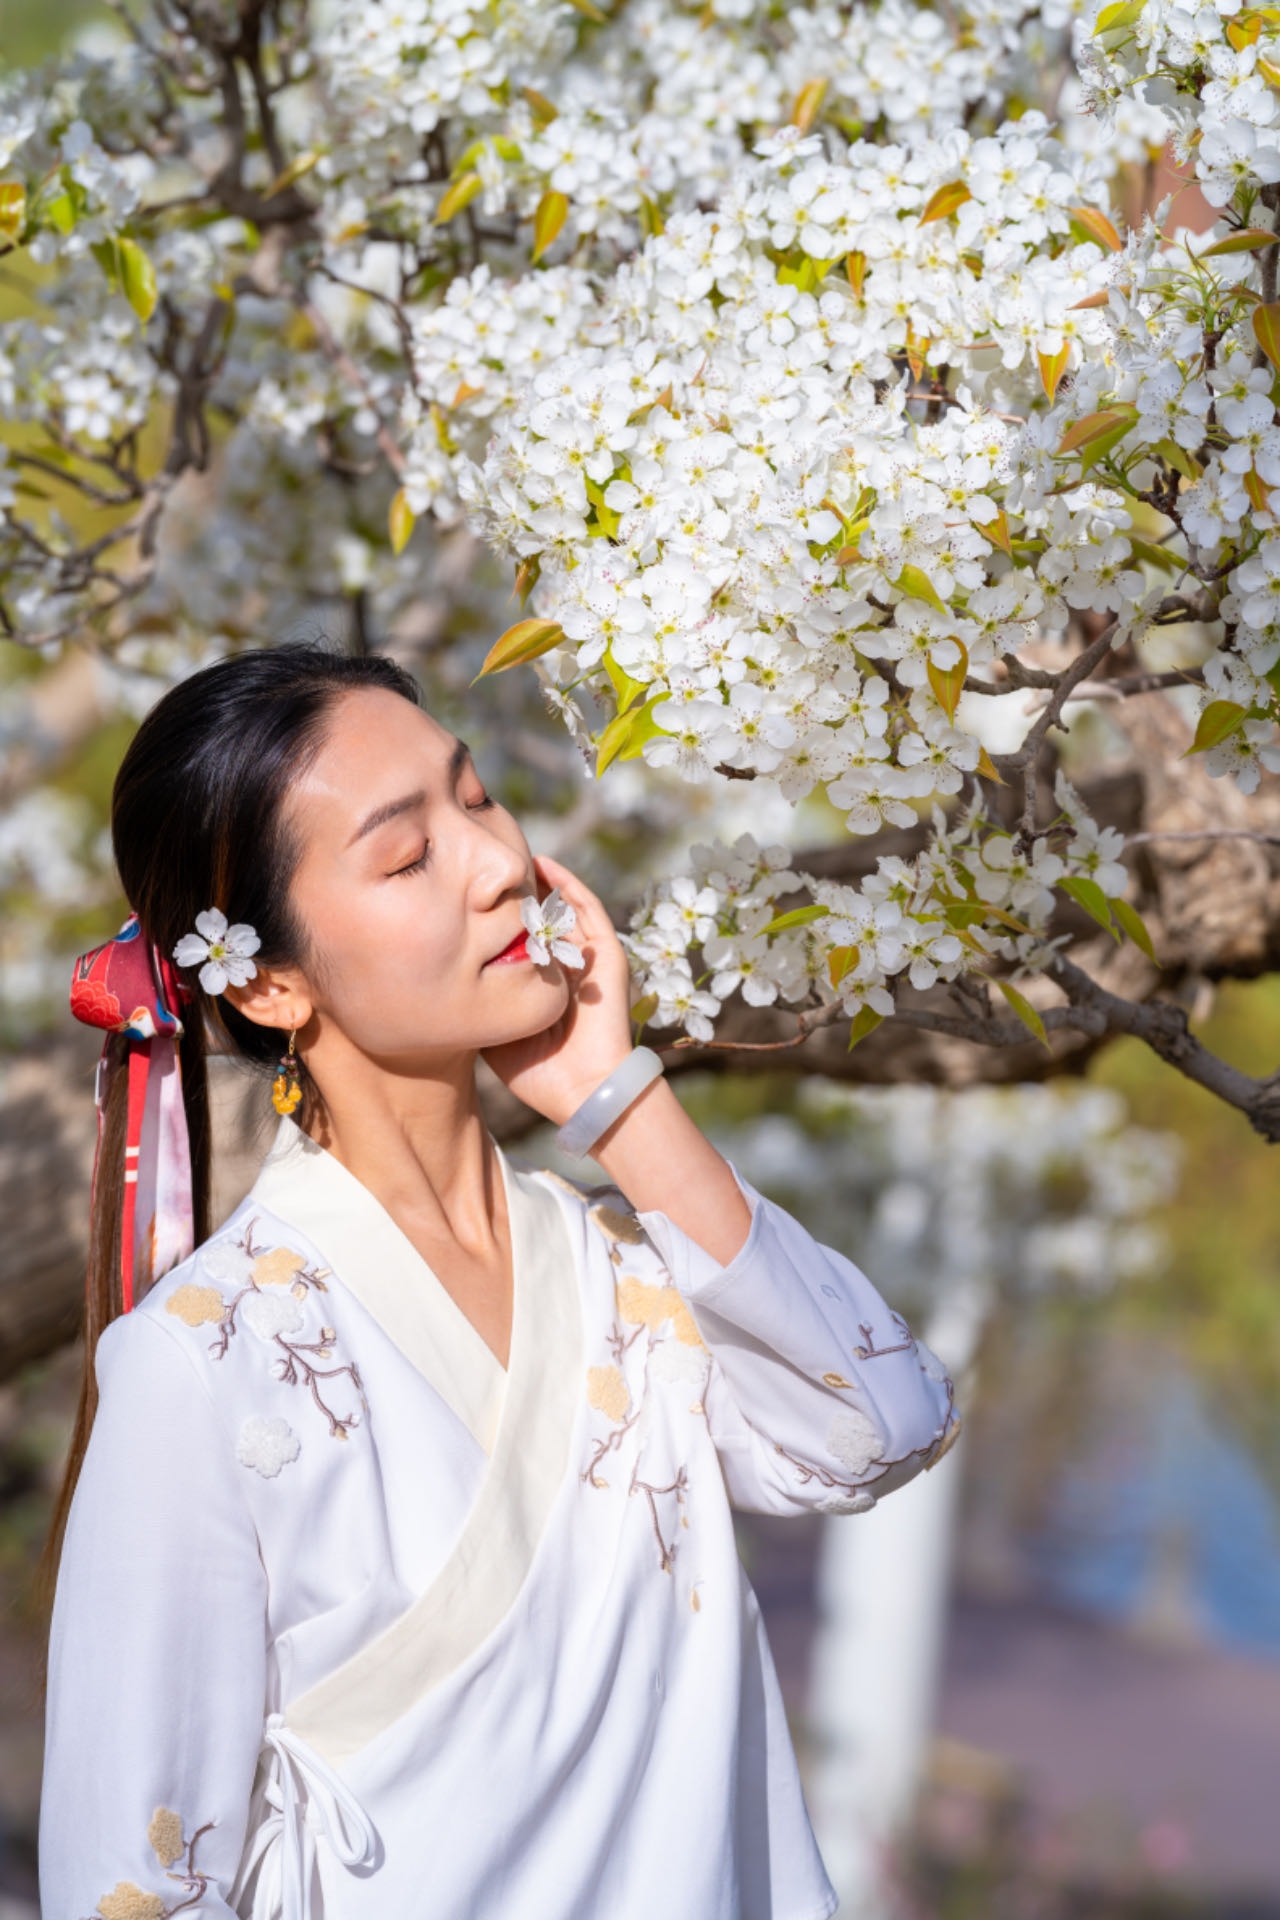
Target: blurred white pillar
883 1581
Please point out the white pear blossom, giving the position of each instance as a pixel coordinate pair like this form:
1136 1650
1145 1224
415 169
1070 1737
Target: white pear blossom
546 924
224 950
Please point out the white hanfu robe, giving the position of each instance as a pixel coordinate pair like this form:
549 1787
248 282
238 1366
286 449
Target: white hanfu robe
354 1623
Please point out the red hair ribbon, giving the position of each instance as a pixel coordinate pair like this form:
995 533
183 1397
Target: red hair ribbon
128 987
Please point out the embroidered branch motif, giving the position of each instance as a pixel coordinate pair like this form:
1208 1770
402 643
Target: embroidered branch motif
276 1282
128 1901
666 1549
674 1350
808 1470
608 1393
863 1493
868 1350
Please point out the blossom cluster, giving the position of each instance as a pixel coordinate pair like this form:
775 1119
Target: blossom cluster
811 395
734 498
972 896
648 109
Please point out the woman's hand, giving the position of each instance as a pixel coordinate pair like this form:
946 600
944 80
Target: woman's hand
554 1071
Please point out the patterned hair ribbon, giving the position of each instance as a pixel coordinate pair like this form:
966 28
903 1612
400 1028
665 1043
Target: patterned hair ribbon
129 988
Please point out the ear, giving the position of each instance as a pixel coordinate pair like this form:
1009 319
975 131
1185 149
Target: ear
273 999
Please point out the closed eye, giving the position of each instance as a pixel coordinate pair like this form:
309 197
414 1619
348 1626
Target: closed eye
423 861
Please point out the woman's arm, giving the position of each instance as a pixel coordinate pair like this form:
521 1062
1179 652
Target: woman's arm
820 1396
665 1164
157 1653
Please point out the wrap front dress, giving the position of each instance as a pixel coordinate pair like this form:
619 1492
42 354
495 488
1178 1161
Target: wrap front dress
354 1623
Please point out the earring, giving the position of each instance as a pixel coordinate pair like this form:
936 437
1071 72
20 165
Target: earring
286 1090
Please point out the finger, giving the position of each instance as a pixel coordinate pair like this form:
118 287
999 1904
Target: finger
580 897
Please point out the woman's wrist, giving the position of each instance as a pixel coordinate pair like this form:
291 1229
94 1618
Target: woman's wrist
608 1101
663 1163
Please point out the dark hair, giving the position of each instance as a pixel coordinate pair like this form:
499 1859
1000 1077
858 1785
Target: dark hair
197 821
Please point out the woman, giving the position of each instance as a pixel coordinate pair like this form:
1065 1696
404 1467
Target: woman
400 1576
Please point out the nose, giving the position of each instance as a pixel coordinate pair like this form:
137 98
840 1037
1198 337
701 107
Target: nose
494 866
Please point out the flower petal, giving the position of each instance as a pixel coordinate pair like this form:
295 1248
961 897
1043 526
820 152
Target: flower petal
191 950
567 954
211 923
213 978
241 939
536 948
238 969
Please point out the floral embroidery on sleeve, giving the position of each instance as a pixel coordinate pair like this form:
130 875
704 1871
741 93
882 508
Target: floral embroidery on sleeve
266 1445
674 1352
128 1901
608 1392
272 1286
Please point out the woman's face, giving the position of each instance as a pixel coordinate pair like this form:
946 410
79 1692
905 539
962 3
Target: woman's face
409 885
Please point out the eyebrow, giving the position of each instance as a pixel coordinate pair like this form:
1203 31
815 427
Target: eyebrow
408 802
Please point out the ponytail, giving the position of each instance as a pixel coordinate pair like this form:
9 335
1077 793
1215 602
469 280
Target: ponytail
197 820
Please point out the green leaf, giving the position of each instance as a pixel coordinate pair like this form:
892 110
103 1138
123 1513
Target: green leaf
915 582
525 641
865 1021
13 211
809 103
137 279
1088 894
459 194
626 733
553 211
1125 13
60 212
1246 240
401 522
1220 719
842 960
948 682
1134 925
1109 425
544 111
651 220
988 768
626 690
964 913
1088 223
297 167
643 1011
945 201
798 917
1025 1011
1266 331
506 149
1052 367
604 521
1153 555
1179 459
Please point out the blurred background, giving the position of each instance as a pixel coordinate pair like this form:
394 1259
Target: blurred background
1042 1681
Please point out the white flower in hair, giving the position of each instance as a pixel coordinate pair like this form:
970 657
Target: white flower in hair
546 922
224 951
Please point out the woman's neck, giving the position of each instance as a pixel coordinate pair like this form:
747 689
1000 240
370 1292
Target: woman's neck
418 1142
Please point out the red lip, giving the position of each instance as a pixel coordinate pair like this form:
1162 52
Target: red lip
516 949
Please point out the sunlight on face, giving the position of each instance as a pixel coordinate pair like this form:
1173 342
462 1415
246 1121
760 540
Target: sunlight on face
409 886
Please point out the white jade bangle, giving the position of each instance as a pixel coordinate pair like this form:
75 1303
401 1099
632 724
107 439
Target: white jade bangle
613 1096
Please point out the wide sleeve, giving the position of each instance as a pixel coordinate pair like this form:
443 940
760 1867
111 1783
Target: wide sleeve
157 1654
819 1396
